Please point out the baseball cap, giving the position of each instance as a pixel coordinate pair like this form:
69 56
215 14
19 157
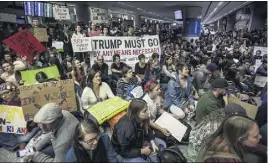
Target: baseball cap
219 83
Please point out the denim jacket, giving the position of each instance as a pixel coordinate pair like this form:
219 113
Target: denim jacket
176 95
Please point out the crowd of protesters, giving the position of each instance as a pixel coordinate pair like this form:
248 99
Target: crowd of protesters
194 76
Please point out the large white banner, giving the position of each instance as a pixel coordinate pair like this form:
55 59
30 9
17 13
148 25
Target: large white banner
129 48
61 13
262 50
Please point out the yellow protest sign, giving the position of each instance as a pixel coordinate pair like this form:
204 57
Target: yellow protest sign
105 110
29 76
12 120
251 110
33 97
41 34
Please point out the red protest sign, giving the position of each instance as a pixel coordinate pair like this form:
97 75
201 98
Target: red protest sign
25 44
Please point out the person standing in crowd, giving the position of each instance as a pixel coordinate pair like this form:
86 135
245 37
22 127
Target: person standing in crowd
105 32
126 83
213 99
94 31
116 67
130 31
180 93
79 34
89 145
234 141
66 38
133 138
95 91
140 67
62 124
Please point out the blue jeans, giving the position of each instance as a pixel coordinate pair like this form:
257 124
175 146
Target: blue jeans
142 159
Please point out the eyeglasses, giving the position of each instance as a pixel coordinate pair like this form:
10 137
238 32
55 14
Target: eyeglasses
92 141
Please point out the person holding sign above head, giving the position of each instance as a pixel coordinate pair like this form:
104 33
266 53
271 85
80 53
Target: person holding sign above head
95 91
116 67
89 145
79 34
133 138
126 84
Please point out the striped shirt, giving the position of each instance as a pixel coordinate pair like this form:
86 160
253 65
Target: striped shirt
124 88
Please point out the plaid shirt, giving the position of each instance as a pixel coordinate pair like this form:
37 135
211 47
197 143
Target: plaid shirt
206 128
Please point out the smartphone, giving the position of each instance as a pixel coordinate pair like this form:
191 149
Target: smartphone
23 152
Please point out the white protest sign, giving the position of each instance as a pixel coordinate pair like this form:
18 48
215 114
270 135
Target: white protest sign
58 45
262 50
61 13
82 44
127 47
4 17
99 15
260 81
174 126
137 92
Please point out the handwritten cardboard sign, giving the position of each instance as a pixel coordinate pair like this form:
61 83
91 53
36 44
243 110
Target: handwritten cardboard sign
58 45
25 44
107 109
33 97
29 77
82 44
41 34
61 13
251 110
12 120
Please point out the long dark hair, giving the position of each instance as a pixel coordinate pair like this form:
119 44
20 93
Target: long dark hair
88 126
232 132
133 111
90 78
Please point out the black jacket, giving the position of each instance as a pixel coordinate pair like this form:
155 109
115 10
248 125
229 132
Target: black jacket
128 138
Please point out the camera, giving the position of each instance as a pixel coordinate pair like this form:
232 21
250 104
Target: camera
23 152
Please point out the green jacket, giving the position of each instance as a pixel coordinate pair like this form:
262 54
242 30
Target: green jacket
206 104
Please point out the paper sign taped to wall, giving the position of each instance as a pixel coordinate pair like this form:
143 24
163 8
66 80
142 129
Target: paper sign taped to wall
107 109
12 120
33 97
251 110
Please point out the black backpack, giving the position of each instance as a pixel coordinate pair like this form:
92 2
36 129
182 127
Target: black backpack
171 154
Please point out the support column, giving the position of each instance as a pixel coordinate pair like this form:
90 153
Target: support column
191 22
82 13
137 20
230 22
